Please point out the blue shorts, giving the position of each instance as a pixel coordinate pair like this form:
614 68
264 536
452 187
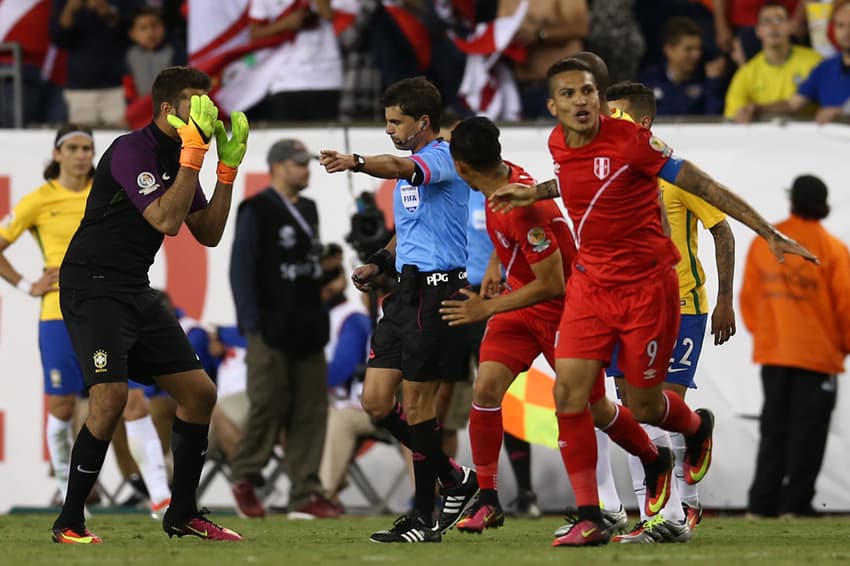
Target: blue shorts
62 373
686 352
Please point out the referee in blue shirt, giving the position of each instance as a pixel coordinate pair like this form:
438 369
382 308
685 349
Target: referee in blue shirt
412 344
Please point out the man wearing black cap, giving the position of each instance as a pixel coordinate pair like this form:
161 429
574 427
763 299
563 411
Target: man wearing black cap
799 316
276 279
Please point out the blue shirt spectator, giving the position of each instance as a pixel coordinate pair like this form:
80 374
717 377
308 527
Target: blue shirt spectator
682 86
828 84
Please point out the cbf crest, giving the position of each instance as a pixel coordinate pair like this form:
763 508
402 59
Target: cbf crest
99 358
601 167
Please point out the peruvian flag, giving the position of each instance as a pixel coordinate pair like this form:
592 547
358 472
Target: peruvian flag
488 86
241 69
26 22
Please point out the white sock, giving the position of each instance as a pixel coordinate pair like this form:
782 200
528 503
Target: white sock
59 445
687 492
608 497
638 477
147 452
673 510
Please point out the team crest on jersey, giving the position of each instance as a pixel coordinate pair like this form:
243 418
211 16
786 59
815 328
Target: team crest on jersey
409 197
601 167
502 240
147 183
658 145
99 358
538 240
56 377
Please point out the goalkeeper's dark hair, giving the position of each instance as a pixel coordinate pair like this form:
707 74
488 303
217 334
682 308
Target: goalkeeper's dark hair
475 141
415 97
641 98
52 170
170 83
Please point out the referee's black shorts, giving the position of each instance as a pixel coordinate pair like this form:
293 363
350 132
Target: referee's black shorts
413 337
120 336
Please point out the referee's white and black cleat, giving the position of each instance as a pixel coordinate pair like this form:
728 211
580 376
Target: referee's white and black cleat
409 528
457 499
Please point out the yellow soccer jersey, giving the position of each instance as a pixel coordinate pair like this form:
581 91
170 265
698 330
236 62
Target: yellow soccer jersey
52 214
759 82
683 211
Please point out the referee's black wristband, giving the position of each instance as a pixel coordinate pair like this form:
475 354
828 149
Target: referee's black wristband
381 258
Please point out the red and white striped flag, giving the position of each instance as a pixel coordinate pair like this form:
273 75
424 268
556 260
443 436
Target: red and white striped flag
488 86
26 22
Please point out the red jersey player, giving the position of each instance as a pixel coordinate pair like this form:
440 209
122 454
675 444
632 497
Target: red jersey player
624 286
536 248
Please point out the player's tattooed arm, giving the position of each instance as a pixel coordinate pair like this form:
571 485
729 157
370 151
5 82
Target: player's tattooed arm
515 194
547 189
723 316
695 181
724 256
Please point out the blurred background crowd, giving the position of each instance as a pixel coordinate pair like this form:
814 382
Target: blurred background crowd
93 61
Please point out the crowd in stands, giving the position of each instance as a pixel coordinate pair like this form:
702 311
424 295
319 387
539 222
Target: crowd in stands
92 61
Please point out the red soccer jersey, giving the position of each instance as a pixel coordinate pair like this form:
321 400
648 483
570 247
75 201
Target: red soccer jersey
526 235
610 191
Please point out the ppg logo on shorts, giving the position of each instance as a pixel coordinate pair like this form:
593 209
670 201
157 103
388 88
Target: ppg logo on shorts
437 278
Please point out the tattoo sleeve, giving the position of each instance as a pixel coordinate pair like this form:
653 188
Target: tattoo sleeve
724 256
547 189
694 180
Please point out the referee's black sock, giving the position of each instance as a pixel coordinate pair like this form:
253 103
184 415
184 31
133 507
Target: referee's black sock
424 446
189 449
396 424
86 460
448 473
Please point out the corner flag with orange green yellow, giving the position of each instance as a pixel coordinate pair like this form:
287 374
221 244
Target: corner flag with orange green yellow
528 409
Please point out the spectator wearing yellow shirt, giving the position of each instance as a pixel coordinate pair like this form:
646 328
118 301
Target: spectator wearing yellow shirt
775 72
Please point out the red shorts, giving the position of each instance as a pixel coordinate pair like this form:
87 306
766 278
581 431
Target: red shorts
516 338
643 318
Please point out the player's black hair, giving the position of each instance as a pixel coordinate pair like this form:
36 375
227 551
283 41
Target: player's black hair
415 97
51 171
170 83
641 98
475 141
567 64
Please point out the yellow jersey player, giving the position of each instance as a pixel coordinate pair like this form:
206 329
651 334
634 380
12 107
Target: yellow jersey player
52 213
636 102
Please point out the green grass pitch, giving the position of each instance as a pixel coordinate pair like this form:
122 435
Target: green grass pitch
135 539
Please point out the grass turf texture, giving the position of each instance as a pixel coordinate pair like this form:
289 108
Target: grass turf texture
138 540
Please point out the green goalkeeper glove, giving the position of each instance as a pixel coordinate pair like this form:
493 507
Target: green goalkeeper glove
231 151
196 134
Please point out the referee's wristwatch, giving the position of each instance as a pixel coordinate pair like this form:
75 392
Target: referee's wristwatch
359 162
